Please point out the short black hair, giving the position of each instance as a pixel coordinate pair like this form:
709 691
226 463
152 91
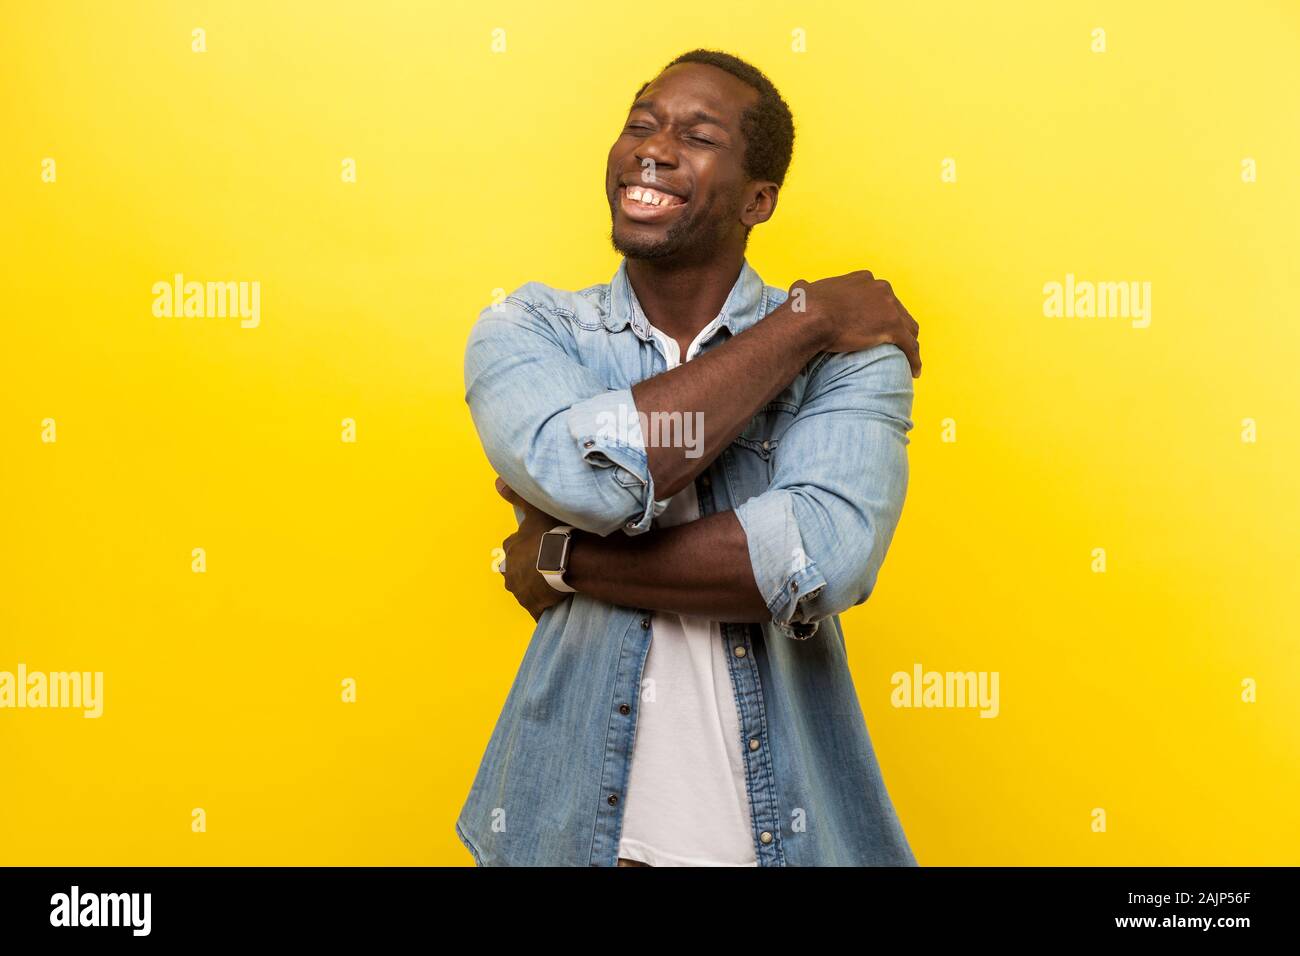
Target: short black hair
767 125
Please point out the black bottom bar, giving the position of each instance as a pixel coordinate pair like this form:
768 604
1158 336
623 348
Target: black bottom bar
203 905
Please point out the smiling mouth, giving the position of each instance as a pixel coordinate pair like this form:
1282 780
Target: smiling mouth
643 204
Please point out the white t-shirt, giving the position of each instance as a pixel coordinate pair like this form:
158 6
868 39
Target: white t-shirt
686 802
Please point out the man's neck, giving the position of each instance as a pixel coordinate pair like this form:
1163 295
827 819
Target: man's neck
680 300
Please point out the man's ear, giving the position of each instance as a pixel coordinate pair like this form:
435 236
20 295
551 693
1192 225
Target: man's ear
761 204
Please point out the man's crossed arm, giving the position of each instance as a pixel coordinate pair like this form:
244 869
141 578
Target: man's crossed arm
808 547
701 567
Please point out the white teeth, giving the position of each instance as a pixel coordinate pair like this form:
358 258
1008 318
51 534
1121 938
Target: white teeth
648 197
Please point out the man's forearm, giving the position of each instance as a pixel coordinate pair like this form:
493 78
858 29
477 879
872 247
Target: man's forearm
726 386
702 568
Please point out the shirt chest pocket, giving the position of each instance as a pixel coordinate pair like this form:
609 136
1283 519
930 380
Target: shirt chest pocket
752 454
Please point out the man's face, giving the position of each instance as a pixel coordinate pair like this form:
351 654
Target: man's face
682 141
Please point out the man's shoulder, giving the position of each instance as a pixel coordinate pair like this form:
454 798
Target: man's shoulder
876 379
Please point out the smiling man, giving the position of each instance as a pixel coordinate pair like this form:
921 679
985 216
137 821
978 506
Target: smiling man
685 699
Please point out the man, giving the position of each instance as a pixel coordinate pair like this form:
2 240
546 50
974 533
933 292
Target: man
706 470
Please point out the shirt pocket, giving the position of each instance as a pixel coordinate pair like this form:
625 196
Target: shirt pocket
751 455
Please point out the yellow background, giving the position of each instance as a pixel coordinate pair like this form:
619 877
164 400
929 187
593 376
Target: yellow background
479 171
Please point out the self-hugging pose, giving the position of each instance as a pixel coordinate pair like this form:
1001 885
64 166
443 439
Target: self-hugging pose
707 470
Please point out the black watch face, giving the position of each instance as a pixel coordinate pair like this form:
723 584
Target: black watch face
550 556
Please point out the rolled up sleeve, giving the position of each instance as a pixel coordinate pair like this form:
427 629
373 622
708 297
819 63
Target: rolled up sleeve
550 426
818 535
607 431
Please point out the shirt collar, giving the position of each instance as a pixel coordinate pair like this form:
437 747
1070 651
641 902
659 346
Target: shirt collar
745 304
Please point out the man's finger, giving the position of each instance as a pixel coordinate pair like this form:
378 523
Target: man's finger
508 493
914 359
903 309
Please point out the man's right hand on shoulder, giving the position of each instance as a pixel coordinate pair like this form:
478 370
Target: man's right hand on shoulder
857 311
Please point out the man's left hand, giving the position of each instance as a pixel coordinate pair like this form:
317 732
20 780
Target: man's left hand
522 578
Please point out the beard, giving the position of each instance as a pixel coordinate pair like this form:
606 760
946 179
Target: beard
694 236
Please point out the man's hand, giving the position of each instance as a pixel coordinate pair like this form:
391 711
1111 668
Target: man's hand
858 311
521 576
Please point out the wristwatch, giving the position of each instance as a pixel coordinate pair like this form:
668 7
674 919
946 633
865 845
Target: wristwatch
553 556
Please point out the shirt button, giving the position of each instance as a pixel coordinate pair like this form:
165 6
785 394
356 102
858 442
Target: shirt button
767 446
740 651
612 799
753 743
765 837
588 443
794 587
624 709
645 623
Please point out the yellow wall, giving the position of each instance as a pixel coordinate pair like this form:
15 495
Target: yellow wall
479 170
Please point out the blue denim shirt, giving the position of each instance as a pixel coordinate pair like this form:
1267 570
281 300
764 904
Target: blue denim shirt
816 479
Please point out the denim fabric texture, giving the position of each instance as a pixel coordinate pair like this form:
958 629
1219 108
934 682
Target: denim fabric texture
817 480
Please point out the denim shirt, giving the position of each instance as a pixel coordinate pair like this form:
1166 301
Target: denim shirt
816 479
